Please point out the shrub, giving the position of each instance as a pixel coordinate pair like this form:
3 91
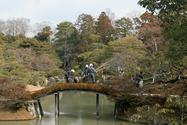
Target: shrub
5 80
57 72
16 95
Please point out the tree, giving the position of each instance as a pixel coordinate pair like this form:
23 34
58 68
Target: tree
152 114
179 103
173 15
85 24
30 43
95 55
111 16
63 39
104 28
3 71
149 31
85 34
64 32
15 94
16 72
16 26
22 25
2 26
127 53
44 36
26 57
3 38
43 62
123 27
38 27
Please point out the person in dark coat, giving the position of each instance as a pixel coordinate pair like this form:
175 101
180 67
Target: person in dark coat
139 77
91 72
68 75
84 73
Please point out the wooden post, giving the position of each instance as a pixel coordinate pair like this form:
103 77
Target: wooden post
97 104
40 108
37 108
56 104
116 109
56 120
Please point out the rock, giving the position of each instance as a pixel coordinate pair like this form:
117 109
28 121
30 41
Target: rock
56 77
76 79
51 79
97 81
46 81
31 109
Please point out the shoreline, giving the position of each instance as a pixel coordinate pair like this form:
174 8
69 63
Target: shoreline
11 114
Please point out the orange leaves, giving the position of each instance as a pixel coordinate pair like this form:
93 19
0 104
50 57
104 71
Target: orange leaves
5 80
104 27
15 92
15 95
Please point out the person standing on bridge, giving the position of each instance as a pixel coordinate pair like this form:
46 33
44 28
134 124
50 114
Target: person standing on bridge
68 75
84 73
91 72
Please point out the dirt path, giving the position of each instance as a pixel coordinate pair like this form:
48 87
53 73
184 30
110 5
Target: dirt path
32 88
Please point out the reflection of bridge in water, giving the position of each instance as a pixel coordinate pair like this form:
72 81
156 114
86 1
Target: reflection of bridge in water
56 89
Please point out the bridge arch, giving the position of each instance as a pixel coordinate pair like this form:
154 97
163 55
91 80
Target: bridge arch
100 89
56 89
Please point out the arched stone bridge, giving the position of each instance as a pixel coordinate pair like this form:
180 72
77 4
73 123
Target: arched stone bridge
100 89
55 89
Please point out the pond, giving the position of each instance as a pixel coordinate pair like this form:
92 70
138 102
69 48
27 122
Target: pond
76 108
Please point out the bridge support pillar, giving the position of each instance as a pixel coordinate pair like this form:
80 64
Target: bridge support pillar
56 104
97 104
37 108
40 108
56 120
116 109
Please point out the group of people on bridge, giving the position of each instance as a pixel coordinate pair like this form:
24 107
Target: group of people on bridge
87 73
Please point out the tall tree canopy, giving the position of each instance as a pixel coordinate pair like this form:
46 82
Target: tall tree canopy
104 28
173 14
64 32
127 53
149 31
85 24
44 36
123 27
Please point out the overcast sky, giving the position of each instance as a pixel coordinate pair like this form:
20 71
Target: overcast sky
56 11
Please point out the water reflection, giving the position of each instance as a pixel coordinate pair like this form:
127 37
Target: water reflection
76 108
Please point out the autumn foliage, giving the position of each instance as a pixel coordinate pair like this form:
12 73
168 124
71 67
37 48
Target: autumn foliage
5 80
15 96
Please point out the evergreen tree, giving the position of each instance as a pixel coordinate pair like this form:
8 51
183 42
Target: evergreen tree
44 36
123 28
104 28
16 72
85 24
